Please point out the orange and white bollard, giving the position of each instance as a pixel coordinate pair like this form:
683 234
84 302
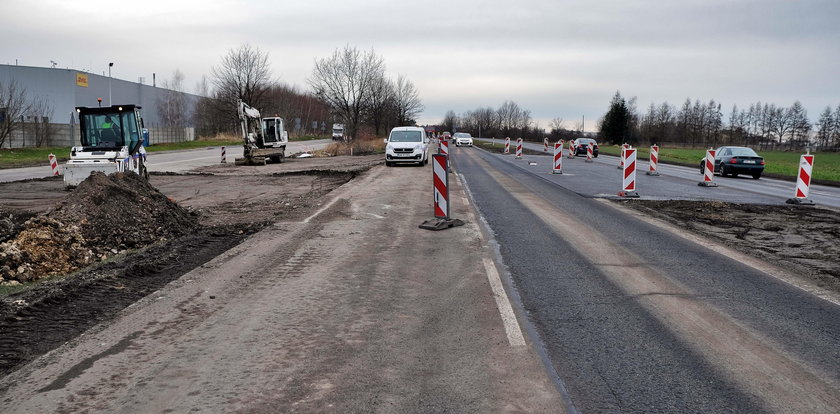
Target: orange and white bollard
708 170
803 180
54 165
590 149
654 159
507 145
545 144
519 148
224 160
628 183
558 158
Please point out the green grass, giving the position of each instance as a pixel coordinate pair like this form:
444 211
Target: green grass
25 157
784 163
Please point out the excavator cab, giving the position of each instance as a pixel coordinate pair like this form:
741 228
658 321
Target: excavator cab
110 128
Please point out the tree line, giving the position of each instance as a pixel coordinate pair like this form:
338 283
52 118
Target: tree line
696 123
349 87
508 120
19 112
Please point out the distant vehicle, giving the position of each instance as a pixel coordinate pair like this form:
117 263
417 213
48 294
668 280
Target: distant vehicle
338 132
262 138
736 160
112 141
445 135
407 145
463 138
580 145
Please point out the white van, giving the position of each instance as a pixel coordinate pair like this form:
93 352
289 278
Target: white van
407 144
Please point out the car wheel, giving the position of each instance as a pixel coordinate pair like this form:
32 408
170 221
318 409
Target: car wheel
702 168
723 171
389 164
756 176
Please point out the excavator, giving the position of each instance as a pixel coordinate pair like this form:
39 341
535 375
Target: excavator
263 138
111 141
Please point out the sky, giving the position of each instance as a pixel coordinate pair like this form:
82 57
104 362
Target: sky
557 58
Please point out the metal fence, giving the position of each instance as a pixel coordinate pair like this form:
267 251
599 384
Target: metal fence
66 135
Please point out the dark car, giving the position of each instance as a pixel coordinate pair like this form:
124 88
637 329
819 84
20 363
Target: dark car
736 160
580 145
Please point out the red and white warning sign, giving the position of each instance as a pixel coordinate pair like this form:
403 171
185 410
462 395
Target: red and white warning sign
507 145
444 147
654 159
708 170
54 165
803 180
628 183
558 158
590 150
545 144
519 148
571 149
441 184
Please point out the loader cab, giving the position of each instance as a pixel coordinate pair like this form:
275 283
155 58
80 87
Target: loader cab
274 132
110 128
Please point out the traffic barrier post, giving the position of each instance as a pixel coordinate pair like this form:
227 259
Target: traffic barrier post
545 144
708 170
519 148
440 185
590 149
654 159
803 180
54 165
558 158
571 149
507 145
224 160
628 183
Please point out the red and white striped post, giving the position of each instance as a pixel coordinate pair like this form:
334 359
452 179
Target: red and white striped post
519 148
654 159
224 160
803 180
708 170
441 183
507 145
443 148
558 158
590 149
621 158
54 165
545 144
628 183
571 149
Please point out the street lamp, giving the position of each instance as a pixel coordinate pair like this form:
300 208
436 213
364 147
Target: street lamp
110 65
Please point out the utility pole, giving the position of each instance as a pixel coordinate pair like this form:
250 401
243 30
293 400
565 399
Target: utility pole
110 65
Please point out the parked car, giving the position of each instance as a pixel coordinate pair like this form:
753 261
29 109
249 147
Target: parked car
463 138
445 135
407 145
580 145
736 160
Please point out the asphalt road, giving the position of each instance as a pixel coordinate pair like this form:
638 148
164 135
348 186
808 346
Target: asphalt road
635 317
171 161
350 309
602 178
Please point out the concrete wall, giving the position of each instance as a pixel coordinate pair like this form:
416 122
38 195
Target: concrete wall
60 88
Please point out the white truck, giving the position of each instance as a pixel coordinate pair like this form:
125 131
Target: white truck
338 132
111 141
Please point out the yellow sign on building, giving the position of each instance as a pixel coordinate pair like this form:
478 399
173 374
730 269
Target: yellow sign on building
81 80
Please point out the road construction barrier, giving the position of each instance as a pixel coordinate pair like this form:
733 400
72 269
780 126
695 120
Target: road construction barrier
708 170
558 158
519 148
54 165
571 149
444 147
803 180
440 182
590 149
507 145
628 183
654 159
545 144
621 157
224 160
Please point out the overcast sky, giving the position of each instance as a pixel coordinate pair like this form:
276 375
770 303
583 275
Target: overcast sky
557 58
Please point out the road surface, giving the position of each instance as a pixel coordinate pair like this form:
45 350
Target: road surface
171 161
602 178
635 317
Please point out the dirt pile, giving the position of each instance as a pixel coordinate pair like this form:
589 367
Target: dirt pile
104 215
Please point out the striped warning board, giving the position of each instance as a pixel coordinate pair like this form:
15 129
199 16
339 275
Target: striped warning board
708 170
654 159
519 148
558 158
441 185
628 183
507 145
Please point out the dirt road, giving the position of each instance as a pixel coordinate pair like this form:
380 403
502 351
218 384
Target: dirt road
346 306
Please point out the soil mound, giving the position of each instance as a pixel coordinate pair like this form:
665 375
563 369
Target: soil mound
105 214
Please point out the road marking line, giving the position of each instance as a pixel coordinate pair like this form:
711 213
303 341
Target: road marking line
321 210
512 329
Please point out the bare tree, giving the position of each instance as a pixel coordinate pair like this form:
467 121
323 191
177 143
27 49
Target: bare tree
381 102
450 120
244 74
345 81
825 128
407 101
42 111
13 104
172 108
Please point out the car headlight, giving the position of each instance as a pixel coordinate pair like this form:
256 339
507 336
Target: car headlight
417 147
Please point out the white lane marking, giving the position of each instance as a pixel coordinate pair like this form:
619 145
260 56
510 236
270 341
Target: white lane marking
512 329
757 264
321 210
